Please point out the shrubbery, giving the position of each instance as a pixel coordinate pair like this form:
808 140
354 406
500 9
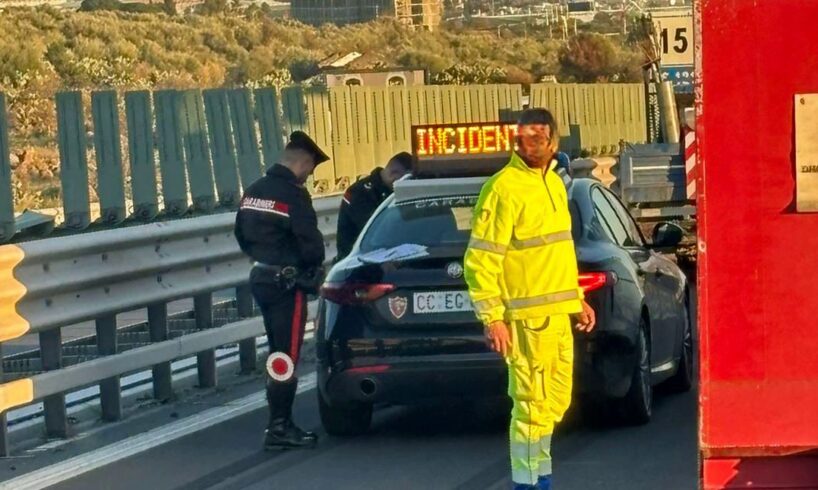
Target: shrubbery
123 46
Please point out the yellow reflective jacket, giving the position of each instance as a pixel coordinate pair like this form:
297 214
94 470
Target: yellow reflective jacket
520 263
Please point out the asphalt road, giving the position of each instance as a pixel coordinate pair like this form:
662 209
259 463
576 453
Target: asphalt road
444 447
408 448
436 447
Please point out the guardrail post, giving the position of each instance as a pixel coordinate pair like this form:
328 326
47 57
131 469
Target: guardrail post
4 428
206 361
158 327
247 347
109 389
56 423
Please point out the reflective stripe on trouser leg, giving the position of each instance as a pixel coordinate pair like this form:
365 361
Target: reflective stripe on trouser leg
540 383
530 443
297 326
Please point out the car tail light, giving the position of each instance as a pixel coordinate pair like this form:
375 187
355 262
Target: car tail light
354 294
591 281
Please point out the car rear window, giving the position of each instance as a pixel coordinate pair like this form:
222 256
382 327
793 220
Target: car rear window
430 223
437 223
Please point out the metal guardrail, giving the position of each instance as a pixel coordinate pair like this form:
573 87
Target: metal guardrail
55 283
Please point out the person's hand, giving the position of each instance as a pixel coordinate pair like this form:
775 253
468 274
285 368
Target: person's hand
498 337
587 319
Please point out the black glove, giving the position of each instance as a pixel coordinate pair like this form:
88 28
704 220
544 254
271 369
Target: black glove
310 280
287 278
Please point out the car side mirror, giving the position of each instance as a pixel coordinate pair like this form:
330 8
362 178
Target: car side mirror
667 235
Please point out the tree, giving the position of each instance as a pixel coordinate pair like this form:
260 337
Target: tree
516 75
170 7
213 7
116 5
589 57
463 74
302 69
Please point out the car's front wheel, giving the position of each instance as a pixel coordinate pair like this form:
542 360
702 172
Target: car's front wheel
344 420
637 406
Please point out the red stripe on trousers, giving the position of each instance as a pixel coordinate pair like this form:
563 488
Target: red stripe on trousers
295 329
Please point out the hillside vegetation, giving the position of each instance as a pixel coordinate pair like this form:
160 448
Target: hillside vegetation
45 50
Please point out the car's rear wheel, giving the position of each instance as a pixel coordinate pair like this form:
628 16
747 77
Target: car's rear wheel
349 419
682 381
637 406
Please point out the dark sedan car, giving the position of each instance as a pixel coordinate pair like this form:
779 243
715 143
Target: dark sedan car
395 323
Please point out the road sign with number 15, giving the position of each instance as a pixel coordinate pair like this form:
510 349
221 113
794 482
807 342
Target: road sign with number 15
675 29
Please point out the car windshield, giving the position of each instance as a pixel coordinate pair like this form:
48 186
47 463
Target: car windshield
432 223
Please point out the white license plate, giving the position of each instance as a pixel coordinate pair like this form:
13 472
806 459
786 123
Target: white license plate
442 302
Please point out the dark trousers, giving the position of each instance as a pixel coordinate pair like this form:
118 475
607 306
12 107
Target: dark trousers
285 315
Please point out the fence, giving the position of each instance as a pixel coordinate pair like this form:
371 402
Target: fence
594 118
54 283
193 151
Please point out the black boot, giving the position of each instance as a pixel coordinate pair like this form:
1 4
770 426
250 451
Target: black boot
281 432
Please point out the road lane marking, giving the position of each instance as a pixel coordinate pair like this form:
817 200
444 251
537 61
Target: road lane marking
78 465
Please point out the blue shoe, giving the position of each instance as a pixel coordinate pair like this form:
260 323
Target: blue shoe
544 483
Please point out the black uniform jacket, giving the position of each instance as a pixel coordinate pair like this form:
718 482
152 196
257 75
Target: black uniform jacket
276 223
359 202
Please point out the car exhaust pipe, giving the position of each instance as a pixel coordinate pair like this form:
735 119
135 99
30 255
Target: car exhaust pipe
368 387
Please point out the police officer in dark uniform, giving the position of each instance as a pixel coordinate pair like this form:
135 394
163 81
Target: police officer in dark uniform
277 227
363 198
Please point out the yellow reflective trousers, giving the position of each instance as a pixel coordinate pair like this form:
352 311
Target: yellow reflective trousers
540 373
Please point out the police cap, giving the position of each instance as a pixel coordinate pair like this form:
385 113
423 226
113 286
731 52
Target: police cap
300 141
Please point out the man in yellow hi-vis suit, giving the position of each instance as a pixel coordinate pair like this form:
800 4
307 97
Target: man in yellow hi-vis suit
521 269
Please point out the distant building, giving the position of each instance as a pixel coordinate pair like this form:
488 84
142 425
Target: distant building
582 10
576 6
422 14
358 69
375 78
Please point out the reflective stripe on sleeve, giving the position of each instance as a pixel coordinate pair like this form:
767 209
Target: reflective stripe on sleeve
485 305
487 246
542 240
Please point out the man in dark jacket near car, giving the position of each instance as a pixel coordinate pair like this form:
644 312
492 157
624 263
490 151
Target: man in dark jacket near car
363 198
